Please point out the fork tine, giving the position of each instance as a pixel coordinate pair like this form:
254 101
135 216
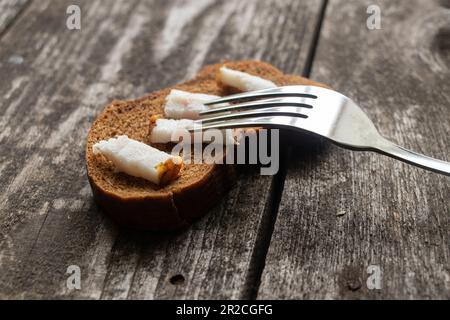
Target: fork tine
274 102
297 91
286 111
267 122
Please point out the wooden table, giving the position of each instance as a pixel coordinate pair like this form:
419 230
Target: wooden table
311 231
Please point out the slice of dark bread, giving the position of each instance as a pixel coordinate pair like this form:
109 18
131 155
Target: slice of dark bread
140 204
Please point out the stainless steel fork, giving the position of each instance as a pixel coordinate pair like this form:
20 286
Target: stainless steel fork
318 110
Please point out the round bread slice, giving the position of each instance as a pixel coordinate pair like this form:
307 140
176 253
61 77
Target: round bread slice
139 204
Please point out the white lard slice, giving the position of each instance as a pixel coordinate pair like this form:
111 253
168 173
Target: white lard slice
186 105
139 159
243 81
170 130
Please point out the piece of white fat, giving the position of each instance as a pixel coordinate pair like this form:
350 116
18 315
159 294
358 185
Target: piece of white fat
186 105
171 130
139 159
243 81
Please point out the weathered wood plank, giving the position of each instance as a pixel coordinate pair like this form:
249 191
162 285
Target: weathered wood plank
9 9
124 49
342 211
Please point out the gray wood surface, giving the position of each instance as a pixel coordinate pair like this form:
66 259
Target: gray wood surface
9 9
342 211
58 80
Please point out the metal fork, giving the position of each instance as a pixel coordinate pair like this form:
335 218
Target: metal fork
308 108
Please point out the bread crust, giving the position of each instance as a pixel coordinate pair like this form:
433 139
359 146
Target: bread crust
138 204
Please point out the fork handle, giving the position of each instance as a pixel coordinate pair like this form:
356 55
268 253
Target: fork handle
411 157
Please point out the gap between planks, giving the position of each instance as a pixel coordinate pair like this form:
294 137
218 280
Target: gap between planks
266 229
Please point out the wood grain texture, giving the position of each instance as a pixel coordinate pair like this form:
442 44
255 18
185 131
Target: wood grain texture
49 99
342 211
9 9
